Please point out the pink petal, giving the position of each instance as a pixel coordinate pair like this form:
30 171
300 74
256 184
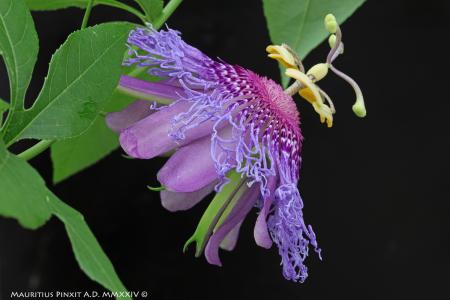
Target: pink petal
261 232
160 90
230 241
150 136
134 112
190 168
174 201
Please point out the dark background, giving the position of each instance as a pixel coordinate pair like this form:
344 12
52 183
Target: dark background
375 190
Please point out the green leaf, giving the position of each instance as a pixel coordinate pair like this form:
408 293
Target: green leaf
18 46
55 4
59 4
23 191
82 75
88 252
73 155
25 197
152 8
299 23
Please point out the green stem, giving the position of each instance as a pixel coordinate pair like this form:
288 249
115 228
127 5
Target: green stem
87 13
36 149
166 13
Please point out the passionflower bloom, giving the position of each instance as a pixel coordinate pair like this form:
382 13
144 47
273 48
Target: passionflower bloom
228 130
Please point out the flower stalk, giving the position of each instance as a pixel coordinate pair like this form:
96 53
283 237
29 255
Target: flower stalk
168 10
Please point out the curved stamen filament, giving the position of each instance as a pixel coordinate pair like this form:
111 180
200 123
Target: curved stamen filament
294 88
328 99
297 59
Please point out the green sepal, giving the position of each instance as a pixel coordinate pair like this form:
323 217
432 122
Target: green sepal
230 207
213 213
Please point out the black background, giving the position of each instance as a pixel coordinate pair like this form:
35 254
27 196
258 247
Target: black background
375 190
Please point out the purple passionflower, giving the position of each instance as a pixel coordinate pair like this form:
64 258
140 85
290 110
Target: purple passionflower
227 129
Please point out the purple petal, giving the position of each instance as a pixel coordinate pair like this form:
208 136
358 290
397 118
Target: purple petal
150 136
261 232
158 90
174 201
190 168
230 240
237 215
134 112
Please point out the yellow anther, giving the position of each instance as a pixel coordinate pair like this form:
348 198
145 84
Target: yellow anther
324 112
282 55
318 71
332 41
304 80
330 23
311 93
307 94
